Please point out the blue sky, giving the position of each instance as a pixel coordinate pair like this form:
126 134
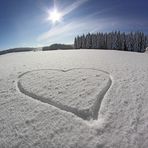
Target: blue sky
27 23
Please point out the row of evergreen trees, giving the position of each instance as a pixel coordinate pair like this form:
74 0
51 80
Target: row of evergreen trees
137 41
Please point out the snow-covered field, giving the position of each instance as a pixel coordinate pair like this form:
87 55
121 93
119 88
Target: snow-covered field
74 99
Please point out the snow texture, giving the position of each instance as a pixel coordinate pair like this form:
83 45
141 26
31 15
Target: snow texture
27 120
79 91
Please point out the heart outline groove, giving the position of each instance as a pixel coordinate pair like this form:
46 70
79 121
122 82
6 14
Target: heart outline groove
90 113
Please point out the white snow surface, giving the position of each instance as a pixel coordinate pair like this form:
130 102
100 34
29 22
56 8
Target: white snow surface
79 91
74 99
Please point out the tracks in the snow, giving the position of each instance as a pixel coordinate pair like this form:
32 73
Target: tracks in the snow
87 114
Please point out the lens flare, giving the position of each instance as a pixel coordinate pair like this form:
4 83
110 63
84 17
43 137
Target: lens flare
55 16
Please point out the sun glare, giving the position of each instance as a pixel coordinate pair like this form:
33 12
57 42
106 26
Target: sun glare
55 16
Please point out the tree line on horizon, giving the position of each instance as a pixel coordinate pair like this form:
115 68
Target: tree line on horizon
133 41
57 46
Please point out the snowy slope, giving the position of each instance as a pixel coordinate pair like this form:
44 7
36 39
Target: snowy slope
27 80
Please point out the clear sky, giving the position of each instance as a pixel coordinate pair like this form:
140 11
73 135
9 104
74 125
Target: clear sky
43 22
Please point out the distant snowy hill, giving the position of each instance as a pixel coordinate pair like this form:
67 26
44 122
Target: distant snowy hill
57 46
24 49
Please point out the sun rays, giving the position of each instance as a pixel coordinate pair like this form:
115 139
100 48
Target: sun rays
55 16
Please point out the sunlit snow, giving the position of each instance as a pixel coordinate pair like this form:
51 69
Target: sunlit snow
40 90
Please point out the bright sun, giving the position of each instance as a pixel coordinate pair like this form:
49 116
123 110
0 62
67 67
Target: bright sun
55 16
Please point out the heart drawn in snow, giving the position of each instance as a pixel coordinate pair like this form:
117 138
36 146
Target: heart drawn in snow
79 91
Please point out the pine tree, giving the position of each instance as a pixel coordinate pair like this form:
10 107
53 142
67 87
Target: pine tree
83 41
75 43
